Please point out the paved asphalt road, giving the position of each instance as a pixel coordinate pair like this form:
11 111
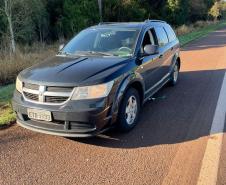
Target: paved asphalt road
167 147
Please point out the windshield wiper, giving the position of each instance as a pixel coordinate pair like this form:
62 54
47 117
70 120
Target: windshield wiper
96 53
102 53
69 54
64 53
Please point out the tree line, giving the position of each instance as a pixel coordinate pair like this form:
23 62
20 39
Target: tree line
28 21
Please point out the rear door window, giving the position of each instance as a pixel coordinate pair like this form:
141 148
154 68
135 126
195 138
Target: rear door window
171 34
161 36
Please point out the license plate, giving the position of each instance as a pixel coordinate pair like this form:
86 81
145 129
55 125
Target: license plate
39 114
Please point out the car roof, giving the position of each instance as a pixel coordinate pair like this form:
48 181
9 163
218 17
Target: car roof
138 25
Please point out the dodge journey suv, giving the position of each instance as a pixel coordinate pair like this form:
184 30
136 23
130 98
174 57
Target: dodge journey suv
100 79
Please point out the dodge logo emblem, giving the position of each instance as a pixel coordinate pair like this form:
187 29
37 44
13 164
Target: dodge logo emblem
41 93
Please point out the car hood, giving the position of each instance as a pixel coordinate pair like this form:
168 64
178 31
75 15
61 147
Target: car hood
73 71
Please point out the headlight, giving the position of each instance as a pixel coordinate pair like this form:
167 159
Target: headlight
19 85
92 92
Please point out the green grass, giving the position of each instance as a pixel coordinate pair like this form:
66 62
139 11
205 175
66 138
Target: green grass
202 32
6 113
6 93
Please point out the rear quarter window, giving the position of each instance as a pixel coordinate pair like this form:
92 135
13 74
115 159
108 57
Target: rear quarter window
161 36
171 34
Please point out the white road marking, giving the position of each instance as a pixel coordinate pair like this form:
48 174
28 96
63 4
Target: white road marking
210 163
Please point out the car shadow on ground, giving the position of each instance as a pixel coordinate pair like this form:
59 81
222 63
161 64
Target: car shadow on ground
185 114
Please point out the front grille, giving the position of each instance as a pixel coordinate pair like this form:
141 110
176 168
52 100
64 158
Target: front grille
55 99
33 97
59 89
46 94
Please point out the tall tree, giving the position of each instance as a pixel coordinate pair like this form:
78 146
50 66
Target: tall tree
176 11
40 18
26 21
215 10
198 10
8 4
78 14
124 10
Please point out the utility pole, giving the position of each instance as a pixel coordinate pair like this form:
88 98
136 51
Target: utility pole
100 10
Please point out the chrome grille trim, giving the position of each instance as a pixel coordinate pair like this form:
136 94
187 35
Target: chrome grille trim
33 97
31 91
31 86
59 89
47 97
54 99
59 94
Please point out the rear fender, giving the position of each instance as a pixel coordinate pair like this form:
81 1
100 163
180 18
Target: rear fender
175 59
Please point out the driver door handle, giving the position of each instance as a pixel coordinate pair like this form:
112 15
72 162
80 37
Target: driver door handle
161 56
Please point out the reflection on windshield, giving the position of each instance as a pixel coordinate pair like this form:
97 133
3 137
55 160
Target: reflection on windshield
103 41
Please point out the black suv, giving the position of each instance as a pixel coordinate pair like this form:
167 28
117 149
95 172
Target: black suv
100 79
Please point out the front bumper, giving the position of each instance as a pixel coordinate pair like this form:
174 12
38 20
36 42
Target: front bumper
74 119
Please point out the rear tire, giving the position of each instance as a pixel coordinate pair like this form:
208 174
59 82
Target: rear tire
174 75
129 110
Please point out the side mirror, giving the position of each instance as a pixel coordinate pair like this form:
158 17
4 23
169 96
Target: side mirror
61 47
150 49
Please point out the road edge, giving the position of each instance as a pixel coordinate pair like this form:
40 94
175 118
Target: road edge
210 163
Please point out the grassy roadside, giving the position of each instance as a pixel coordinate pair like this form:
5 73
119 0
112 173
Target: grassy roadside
199 33
6 92
6 114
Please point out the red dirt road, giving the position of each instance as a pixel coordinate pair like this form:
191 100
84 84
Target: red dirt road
167 146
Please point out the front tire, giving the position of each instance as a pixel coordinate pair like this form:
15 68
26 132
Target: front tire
129 110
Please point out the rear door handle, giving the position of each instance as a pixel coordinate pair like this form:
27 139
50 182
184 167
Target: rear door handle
172 48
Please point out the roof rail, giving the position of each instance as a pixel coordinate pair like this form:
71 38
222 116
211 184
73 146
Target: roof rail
146 21
153 20
101 23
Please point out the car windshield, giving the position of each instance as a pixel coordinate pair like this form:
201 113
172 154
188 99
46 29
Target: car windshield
103 41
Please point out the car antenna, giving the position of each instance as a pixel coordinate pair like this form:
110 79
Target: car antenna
149 16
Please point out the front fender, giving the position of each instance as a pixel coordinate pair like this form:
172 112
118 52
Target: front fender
127 82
